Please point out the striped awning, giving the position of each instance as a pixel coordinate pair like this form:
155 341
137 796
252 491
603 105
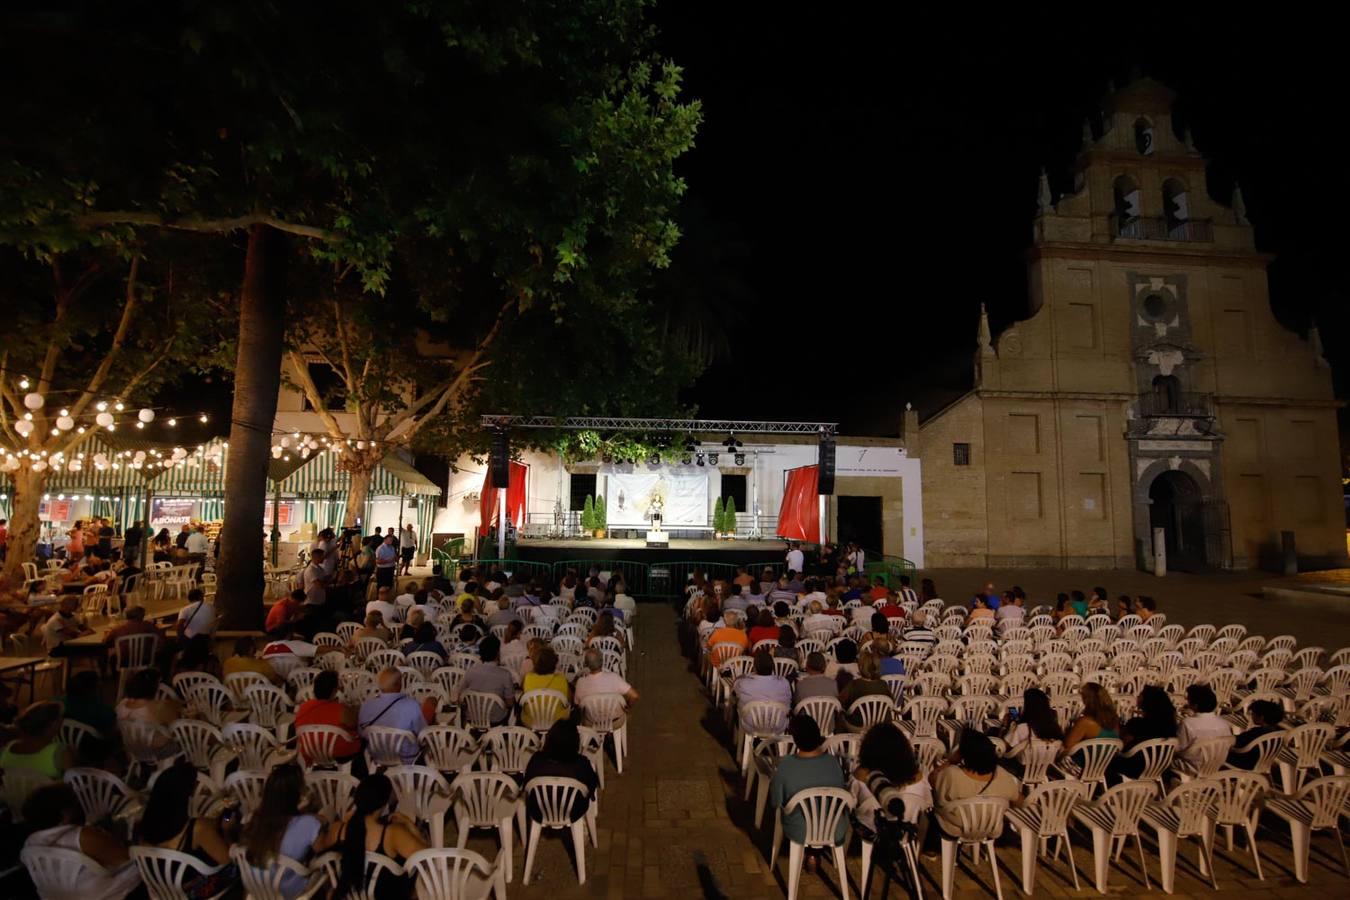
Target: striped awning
392 477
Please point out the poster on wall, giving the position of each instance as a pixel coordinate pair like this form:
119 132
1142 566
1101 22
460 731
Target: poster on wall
167 511
285 513
682 497
54 511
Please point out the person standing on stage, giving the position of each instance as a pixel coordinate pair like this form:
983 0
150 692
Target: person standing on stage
796 560
407 545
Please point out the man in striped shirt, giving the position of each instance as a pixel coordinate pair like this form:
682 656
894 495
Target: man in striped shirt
919 632
906 593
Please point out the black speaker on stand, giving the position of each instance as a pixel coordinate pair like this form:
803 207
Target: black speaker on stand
825 459
500 463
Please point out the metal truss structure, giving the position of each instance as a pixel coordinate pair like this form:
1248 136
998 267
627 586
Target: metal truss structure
686 426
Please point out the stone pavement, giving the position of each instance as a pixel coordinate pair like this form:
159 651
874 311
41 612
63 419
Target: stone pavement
674 825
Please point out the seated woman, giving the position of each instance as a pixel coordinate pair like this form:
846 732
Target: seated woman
37 748
1035 720
546 677
324 709
787 645
1145 607
1265 717
868 683
1062 607
604 627
166 823
981 612
1099 718
56 818
279 828
973 771
142 703
371 828
374 627
896 790
765 629
83 703
425 640
809 766
1157 719
561 757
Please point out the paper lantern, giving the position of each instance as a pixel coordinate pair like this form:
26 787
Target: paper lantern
146 415
65 423
34 400
39 465
276 453
104 419
178 453
23 427
285 441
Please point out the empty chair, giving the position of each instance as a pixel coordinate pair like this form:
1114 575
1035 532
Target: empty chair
165 872
552 804
1113 820
487 800
510 747
823 811
1317 806
267 882
457 874
921 716
270 708
447 748
1042 816
1238 802
1089 760
1183 813
1302 752
423 795
332 792
256 747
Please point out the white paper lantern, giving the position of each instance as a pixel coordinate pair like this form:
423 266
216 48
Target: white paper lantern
101 459
23 427
34 400
39 465
276 453
179 453
104 419
304 453
65 423
146 415
10 464
140 456
285 441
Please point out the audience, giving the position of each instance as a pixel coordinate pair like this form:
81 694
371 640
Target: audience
1157 719
279 827
809 766
598 681
972 771
324 709
546 677
1099 718
1265 717
38 748
815 683
1035 720
763 683
391 708
895 786
167 823
867 683
490 677
56 819
246 659
561 757
1203 724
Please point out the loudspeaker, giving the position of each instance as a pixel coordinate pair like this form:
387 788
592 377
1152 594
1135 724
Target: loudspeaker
501 459
825 459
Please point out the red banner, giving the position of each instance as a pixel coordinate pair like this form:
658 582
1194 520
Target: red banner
515 498
799 516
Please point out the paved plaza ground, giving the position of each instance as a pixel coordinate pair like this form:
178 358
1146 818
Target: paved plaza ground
674 824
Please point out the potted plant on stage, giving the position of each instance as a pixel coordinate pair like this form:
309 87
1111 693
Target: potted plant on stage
719 518
600 517
729 519
588 516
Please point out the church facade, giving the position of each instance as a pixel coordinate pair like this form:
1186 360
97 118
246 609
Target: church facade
1149 387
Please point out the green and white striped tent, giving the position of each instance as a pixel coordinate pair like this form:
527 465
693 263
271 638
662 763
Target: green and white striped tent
117 490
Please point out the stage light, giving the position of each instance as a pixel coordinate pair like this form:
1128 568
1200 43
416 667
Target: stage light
699 458
690 445
712 459
731 443
654 460
686 460
606 459
740 458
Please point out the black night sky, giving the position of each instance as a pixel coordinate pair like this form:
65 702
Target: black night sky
869 181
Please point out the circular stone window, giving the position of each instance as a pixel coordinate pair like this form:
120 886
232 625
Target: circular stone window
1155 307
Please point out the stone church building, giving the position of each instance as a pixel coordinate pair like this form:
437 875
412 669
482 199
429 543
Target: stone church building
1149 385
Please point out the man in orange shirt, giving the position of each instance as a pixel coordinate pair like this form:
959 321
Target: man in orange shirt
879 589
730 632
285 611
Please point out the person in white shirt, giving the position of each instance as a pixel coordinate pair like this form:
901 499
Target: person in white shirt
315 579
1204 724
407 547
327 542
598 681
63 625
628 606
819 621
857 559
198 617
423 603
796 559
390 611
409 595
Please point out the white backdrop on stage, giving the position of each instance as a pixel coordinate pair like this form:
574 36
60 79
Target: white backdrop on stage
683 497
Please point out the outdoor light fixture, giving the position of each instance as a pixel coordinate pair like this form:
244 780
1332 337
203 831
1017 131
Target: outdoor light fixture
606 458
686 460
731 443
740 458
654 460
173 423
712 458
202 419
23 384
699 457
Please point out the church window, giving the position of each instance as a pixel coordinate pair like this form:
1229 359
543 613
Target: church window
1166 393
1143 136
1126 210
1176 209
1155 307
960 454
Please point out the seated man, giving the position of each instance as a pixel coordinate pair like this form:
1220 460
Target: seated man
385 606
730 632
598 681
135 624
763 683
198 617
325 709
1265 717
245 659
64 625
814 682
502 614
1205 722
490 677
392 708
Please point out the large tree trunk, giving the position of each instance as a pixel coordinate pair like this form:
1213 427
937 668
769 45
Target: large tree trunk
357 492
24 524
257 379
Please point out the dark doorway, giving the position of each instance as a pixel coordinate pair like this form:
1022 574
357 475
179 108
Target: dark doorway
860 521
583 485
733 488
1177 507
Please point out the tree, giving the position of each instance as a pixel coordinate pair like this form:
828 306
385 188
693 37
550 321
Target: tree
502 159
588 514
718 516
729 517
601 514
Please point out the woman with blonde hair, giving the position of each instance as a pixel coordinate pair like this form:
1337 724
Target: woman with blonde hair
1099 718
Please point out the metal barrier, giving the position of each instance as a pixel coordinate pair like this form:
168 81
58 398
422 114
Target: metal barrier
512 566
634 573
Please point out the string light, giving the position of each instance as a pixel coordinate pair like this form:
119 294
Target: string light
202 419
23 384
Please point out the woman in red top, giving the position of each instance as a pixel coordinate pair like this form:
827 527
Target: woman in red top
324 710
765 628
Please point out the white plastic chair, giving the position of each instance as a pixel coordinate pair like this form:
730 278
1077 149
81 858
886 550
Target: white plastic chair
317 745
1037 756
483 710
821 809
163 872
921 716
1238 802
874 709
457 874
246 788
607 714
1157 755
59 873
377 866
74 733
1096 754
386 746
1183 813
823 709
1302 753
265 883
271 709
759 720
539 709
763 765
255 746
103 795
330 792
1042 816
1317 806
1203 759
1113 820
423 795
554 798
980 822
487 800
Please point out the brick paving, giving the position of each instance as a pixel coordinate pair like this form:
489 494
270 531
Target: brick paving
674 825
